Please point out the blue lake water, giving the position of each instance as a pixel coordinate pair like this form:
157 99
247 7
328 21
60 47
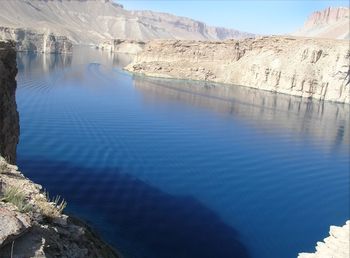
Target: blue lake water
171 168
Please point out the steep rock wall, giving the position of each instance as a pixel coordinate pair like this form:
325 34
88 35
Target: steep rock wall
9 122
35 41
312 68
332 22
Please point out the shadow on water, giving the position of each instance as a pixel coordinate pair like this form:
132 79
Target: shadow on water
162 224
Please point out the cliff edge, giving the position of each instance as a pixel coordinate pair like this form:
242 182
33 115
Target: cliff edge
337 245
31 223
311 68
332 22
9 122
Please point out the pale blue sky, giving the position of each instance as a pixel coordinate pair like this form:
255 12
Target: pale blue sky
256 16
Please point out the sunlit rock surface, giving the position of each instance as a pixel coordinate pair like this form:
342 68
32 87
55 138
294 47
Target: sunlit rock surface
36 41
337 245
332 22
311 68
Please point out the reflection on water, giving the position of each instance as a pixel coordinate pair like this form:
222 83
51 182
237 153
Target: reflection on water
169 168
37 64
329 122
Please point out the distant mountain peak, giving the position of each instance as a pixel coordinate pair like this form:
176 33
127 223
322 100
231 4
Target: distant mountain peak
331 22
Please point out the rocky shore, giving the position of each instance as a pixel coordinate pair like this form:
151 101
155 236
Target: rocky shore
311 68
31 223
337 245
36 41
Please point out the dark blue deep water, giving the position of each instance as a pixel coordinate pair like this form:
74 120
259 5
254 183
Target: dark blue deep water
170 168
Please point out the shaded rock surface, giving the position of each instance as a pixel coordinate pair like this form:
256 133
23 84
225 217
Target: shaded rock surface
9 123
303 67
337 245
332 22
36 41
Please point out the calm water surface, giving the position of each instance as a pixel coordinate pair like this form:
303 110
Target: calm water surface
170 168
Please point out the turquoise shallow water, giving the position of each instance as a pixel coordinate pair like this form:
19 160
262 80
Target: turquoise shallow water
171 168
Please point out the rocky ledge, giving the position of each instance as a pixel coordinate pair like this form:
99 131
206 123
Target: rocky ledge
35 41
337 245
32 224
312 68
122 46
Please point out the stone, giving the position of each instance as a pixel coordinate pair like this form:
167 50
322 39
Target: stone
337 245
305 67
30 40
12 224
332 22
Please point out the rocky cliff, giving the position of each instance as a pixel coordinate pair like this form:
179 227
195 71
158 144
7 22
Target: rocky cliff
9 124
95 21
303 67
337 245
32 224
35 41
332 22
122 46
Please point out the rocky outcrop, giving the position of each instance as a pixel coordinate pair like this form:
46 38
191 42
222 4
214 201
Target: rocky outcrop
311 68
35 41
9 123
337 245
94 21
40 229
32 224
332 22
122 46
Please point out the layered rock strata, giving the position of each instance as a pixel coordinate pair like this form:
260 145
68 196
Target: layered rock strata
9 123
303 67
332 22
36 41
94 21
337 245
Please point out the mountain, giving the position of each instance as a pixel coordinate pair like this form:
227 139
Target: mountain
94 21
332 22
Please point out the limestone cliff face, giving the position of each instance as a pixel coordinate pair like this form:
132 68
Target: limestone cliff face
31 40
336 245
311 68
332 22
122 46
9 122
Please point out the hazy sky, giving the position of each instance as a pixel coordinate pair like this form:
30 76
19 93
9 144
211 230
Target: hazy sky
257 16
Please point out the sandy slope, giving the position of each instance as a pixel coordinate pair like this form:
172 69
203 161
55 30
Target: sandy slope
93 21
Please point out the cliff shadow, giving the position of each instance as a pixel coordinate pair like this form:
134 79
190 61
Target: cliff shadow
144 217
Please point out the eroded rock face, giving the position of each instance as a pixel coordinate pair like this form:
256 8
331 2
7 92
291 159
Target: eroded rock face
94 21
312 68
337 245
332 22
35 41
9 121
13 223
34 233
